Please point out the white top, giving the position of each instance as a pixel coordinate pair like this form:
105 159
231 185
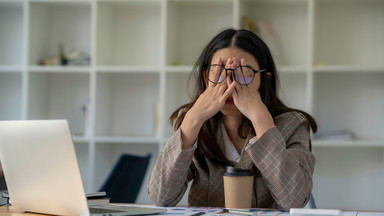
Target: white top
230 150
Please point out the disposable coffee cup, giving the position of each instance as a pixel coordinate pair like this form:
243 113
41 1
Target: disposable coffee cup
238 188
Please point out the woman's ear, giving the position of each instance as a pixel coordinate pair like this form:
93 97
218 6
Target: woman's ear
269 75
205 78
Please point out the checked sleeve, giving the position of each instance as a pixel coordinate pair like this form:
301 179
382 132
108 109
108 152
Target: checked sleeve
169 178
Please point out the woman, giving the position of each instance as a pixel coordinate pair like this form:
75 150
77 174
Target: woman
235 118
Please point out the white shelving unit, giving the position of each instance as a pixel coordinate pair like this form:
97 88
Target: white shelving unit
328 52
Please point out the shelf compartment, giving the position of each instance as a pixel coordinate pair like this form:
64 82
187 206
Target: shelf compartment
55 23
347 175
82 154
349 33
283 25
291 69
129 33
107 154
11 96
190 26
351 103
12 33
293 90
176 95
179 69
60 96
126 104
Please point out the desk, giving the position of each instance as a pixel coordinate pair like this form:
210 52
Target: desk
171 211
7 211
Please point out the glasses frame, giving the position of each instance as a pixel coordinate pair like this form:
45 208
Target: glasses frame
233 72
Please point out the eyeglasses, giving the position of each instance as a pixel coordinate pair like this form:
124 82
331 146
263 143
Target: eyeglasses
242 74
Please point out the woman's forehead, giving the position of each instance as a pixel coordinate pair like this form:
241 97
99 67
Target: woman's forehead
227 53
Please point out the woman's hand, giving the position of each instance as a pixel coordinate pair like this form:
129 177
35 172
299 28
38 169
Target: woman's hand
248 100
210 102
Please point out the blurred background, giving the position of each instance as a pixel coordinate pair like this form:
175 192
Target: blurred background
117 69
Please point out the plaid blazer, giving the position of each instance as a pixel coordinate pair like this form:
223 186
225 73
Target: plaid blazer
281 155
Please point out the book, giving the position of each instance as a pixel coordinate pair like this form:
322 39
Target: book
84 120
97 197
104 200
95 194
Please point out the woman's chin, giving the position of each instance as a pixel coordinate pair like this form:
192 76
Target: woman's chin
230 110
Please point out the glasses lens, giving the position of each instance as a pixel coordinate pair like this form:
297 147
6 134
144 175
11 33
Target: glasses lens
216 74
243 75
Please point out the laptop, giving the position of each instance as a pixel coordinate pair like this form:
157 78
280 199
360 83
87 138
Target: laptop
42 173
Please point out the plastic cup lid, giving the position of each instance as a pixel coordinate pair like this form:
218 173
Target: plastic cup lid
232 171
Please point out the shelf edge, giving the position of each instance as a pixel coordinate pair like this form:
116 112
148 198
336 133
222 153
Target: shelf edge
347 69
59 69
348 143
128 69
127 139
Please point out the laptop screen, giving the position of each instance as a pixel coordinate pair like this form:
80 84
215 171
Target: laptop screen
40 167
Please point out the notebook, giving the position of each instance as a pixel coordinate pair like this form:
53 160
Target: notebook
42 172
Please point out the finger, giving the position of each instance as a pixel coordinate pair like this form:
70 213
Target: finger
239 88
211 84
235 62
215 72
229 90
241 72
235 94
208 73
219 61
219 71
230 81
242 61
232 84
234 66
223 85
229 62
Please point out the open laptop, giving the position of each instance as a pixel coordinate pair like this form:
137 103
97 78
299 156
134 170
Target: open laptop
42 172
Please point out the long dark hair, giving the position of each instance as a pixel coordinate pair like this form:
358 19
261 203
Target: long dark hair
207 146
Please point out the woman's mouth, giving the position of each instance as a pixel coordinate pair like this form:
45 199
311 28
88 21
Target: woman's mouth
229 101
